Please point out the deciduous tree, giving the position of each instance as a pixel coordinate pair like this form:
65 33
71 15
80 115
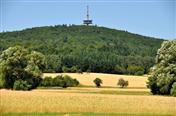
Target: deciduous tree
19 64
163 73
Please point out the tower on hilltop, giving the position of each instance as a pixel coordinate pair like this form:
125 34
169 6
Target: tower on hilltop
87 21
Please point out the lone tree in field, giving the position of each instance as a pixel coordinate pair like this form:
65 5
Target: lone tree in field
20 69
163 73
122 83
98 82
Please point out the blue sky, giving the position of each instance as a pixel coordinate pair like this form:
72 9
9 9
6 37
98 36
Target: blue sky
155 18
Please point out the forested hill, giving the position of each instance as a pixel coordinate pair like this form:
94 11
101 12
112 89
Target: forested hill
87 48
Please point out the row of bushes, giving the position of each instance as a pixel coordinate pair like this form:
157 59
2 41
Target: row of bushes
24 84
59 81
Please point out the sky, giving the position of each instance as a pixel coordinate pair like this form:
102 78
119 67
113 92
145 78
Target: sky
154 18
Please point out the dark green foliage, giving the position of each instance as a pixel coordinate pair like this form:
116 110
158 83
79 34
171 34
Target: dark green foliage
79 71
163 73
122 83
120 69
1 83
59 81
21 85
87 48
173 90
152 84
67 81
135 70
75 82
47 82
53 63
98 82
19 64
65 69
73 69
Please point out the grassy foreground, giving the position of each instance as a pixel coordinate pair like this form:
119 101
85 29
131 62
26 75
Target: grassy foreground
93 90
87 100
76 114
74 101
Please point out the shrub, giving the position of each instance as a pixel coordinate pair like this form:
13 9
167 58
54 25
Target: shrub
75 82
47 82
122 83
98 82
173 90
21 85
69 82
66 81
57 81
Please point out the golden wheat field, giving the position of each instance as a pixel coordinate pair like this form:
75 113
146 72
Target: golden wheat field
56 101
135 99
108 79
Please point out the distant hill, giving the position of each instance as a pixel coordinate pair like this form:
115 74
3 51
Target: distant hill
87 48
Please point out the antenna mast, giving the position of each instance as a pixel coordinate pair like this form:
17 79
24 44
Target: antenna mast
87 21
87 12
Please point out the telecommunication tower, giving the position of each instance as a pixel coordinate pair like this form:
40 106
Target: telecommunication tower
87 21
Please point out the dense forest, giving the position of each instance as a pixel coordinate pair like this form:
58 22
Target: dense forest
78 48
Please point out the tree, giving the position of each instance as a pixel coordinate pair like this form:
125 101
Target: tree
163 73
20 66
98 82
122 83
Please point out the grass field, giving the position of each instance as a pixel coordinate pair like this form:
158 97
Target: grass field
87 100
77 114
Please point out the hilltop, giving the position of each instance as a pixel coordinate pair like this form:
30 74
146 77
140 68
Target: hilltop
77 48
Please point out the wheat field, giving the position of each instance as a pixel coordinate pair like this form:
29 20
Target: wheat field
135 99
108 79
53 101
